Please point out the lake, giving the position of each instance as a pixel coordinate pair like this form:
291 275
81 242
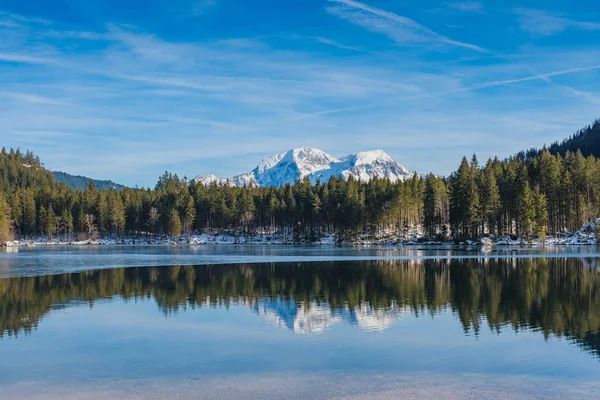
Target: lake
299 322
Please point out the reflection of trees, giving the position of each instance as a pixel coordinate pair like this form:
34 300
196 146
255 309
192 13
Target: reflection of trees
556 296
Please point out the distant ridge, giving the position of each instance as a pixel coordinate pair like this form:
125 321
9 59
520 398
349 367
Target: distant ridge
80 182
586 140
317 165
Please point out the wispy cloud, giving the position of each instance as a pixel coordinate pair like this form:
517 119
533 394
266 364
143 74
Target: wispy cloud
466 6
534 77
78 35
31 98
545 23
25 58
129 101
10 17
338 45
469 88
401 29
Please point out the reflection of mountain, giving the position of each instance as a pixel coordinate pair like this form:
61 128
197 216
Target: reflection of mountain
557 296
299 318
376 319
313 317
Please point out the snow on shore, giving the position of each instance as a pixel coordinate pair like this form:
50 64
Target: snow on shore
587 235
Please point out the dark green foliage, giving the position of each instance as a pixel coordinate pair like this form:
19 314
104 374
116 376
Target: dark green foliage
586 140
5 221
43 206
435 207
531 196
80 182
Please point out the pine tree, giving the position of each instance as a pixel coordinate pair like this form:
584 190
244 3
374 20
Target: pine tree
541 211
474 208
50 221
432 218
28 226
490 197
153 218
117 213
528 210
465 210
5 221
174 223
189 216
67 219
43 220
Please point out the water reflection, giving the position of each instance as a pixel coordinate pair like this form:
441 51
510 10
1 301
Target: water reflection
558 296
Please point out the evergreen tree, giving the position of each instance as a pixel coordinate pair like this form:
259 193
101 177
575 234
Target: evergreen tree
5 221
28 225
189 216
465 212
67 219
153 218
490 197
435 204
528 211
50 222
42 220
174 223
541 211
117 213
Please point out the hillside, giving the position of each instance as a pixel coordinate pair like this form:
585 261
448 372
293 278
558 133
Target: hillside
80 182
587 140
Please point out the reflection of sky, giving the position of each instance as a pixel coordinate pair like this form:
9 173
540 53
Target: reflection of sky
128 340
46 260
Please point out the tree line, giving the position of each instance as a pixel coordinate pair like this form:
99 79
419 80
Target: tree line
527 195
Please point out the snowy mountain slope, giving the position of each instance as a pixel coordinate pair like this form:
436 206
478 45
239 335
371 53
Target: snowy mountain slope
316 165
364 166
210 179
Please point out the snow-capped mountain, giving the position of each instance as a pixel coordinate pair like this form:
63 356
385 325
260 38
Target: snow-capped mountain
317 165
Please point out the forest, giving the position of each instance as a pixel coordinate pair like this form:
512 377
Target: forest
528 195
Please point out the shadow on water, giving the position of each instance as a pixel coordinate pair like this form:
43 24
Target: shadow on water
557 296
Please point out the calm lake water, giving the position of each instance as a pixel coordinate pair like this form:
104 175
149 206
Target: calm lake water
267 322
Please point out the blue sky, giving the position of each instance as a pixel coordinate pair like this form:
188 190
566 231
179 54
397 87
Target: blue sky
127 89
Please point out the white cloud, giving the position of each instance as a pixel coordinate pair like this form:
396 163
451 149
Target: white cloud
144 103
25 58
401 29
544 23
10 17
32 98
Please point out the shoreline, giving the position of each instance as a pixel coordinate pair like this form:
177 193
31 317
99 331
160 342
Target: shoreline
482 244
587 235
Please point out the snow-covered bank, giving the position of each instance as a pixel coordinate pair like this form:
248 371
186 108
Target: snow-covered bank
587 235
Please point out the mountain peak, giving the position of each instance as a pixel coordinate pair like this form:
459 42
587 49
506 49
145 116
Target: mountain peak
367 157
308 152
315 164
